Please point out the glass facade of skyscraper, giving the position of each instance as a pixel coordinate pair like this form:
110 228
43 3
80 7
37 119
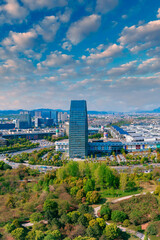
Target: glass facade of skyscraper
78 129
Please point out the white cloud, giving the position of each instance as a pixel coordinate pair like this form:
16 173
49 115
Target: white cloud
17 41
16 66
65 17
126 68
13 10
55 59
111 51
158 14
38 4
104 6
67 46
148 34
141 47
124 16
48 27
81 84
149 65
82 28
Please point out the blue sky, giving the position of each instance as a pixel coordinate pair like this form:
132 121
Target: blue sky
104 51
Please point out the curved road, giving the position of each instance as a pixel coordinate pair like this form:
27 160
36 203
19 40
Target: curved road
123 229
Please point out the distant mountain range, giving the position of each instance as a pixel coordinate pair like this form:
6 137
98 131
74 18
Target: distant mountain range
157 110
15 112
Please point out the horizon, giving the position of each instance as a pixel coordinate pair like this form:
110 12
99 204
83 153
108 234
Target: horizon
88 110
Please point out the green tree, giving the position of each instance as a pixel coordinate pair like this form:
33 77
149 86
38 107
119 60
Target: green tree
84 208
89 185
83 220
118 216
39 235
31 235
50 208
64 219
74 216
123 181
61 173
105 211
73 169
36 217
82 238
93 197
80 194
94 231
101 222
55 235
152 229
18 234
111 232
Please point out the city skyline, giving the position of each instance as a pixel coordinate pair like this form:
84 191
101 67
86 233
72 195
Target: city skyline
106 52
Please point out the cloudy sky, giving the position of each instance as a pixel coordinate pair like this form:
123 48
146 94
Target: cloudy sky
104 51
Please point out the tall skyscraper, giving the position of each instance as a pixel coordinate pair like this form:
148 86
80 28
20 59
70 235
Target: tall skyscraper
24 120
78 129
54 116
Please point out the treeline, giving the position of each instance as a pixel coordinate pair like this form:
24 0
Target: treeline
18 144
45 156
97 135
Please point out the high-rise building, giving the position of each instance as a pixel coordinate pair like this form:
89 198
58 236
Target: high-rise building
24 120
54 116
38 114
62 117
78 129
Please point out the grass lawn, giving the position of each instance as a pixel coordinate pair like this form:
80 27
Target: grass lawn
112 193
153 237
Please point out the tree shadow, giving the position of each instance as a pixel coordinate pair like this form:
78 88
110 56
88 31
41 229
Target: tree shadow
102 201
125 236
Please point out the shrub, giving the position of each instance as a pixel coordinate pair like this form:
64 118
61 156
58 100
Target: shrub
118 216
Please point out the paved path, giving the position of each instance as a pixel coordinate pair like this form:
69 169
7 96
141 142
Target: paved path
123 229
128 197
